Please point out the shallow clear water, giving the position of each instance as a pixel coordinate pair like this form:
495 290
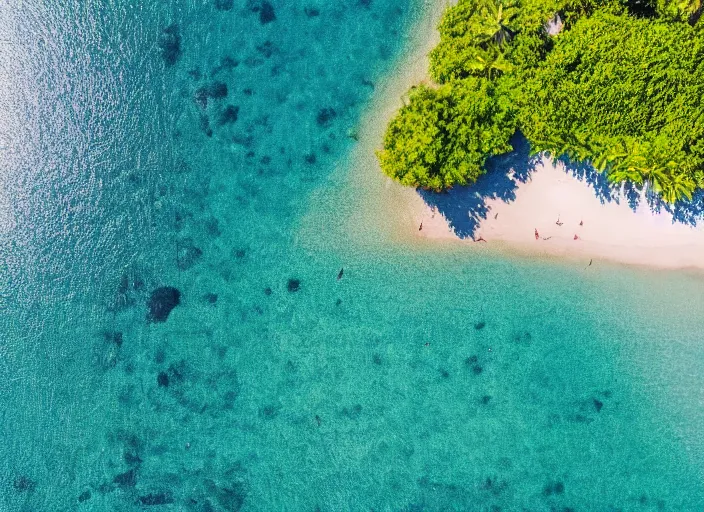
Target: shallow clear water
421 380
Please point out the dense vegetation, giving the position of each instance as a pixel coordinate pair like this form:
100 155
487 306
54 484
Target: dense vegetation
620 86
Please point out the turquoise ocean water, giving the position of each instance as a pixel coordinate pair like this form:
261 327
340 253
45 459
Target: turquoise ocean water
177 144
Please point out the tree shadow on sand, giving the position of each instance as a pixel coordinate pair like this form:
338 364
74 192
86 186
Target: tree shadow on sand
465 207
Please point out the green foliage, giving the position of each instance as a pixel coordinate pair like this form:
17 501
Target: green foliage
443 136
473 34
624 93
620 86
680 10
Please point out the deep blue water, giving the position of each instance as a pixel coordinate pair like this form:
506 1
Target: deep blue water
166 152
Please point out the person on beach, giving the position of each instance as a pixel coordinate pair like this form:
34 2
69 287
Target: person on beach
576 237
558 221
421 227
537 236
581 223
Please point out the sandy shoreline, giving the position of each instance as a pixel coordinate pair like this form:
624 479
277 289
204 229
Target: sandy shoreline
608 231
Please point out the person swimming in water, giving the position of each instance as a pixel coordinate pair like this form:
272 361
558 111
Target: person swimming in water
339 275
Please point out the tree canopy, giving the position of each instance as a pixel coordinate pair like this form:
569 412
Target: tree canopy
443 135
620 86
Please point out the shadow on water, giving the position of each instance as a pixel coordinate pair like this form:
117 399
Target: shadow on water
465 207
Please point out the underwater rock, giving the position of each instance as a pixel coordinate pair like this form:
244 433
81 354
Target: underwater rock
126 479
312 12
480 325
170 44
554 488
365 3
160 498
598 404
23 483
229 115
187 254
161 302
162 380
310 158
444 373
293 285
266 12
267 291
485 400
325 117
224 5
84 496
215 90
211 298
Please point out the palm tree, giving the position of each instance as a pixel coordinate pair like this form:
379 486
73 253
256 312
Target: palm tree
493 21
488 62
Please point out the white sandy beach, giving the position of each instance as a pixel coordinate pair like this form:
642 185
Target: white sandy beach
609 231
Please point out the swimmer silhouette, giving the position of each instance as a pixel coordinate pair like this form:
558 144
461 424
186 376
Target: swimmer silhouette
339 275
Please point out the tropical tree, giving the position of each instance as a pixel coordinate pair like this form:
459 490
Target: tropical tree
443 136
489 62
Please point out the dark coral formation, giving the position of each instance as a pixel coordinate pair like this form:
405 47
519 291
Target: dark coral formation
215 90
170 44
266 12
325 116
161 302
229 115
